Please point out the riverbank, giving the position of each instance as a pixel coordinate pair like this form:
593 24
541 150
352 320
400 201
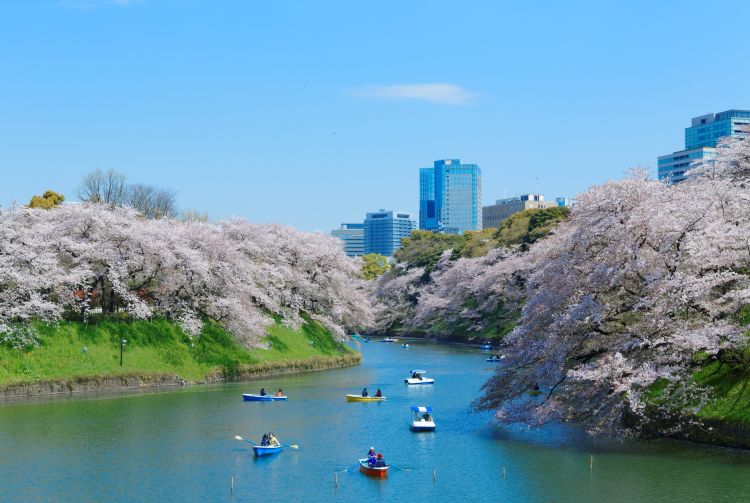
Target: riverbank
73 357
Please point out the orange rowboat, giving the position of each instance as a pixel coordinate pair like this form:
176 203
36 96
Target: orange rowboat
373 471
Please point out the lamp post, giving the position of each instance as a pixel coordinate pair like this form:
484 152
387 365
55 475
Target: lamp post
122 345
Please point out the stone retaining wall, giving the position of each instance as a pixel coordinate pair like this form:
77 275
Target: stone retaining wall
85 384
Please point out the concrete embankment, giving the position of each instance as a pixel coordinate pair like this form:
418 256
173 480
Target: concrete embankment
96 383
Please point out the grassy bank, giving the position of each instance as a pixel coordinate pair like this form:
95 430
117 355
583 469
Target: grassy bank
157 347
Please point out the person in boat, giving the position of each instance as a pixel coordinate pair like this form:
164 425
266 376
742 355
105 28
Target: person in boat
535 387
371 458
379 393
365 393
273 441
426 417
279 393
380 462
264 440
413 375
262 391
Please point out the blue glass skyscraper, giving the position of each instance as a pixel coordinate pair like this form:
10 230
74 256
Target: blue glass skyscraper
700 142
427 218
450 197
384 230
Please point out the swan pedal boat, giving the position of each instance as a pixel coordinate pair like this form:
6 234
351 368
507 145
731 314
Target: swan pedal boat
267 450
419 379
373 471
418 422
251 397
360 398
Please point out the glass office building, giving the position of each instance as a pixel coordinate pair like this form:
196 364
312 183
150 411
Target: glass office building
384 230
450 197
701 139
427 218
353 236
706 130
672 167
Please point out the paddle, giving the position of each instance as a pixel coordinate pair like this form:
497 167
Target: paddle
237 437
347 470
400 467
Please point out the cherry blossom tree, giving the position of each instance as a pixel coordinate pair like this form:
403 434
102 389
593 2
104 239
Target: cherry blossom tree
78 257
640 287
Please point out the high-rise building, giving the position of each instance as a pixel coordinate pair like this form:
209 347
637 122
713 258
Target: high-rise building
427 218
353 236
450 197
700 142
384 230
565 201
503 208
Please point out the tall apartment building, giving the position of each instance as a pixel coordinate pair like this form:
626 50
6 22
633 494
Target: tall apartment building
700 142
503 208
450 197
353 236
384 230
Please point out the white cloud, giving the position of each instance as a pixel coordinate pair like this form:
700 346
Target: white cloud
444 94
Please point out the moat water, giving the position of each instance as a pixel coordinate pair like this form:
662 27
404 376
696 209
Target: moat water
179 445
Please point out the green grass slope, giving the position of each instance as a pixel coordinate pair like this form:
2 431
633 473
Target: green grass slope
153 347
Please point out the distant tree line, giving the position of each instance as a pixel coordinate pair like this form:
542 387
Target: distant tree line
111 188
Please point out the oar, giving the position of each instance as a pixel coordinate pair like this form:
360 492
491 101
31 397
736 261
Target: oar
347 470
400 467
237 437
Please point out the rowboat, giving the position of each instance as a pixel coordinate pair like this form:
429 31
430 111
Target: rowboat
486 345
417 377
360 398
405 346
266 450
389 339
494 358
422 420
373 471
251 397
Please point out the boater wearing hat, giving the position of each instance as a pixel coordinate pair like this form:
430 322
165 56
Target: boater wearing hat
380 461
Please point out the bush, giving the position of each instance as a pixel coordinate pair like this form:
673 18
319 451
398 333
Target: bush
21 337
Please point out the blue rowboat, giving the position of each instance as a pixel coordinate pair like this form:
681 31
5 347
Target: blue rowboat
266 450
250 397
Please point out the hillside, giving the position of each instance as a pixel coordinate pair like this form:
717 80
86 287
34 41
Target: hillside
431 290
77 352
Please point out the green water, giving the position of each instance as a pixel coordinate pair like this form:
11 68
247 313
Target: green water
179 445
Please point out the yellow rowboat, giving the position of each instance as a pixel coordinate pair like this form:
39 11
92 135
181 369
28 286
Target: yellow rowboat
360 398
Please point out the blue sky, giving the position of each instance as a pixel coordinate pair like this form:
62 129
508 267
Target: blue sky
311 113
